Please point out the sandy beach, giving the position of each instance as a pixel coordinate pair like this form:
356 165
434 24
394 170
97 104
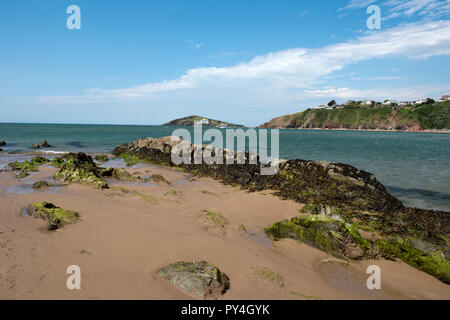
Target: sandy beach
122 238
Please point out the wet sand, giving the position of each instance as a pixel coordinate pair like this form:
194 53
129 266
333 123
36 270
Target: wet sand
121 240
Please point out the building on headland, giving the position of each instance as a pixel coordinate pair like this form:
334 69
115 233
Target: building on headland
368 102
324 107
421 101
446 97
387 102
204 121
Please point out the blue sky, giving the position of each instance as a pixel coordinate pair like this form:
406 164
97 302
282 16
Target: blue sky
147 62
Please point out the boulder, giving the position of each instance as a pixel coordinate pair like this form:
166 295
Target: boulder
55 216
199 278
324 233
36 146
2 143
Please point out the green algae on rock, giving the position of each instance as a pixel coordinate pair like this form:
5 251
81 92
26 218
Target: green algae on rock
101 157
24 168
55 216
79 167
419 254
41 184
346 199
201 278
322 232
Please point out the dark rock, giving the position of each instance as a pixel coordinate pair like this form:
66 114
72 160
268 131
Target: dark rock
45 144
2 143
41 184
36 146
200 278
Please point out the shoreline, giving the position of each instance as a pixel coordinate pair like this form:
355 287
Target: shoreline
363 130
116 228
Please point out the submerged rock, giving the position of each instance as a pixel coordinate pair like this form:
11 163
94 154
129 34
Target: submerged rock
41 184
101 157
55 216
200 278
45 144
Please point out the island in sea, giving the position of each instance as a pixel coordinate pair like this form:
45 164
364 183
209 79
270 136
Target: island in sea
190 120
424 115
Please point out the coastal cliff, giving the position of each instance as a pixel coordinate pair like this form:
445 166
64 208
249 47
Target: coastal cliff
375 116
341 203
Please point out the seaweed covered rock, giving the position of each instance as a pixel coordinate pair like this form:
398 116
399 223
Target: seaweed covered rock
55 216
24 168
79 167
41 184
101 157
200 278
325 233
422 255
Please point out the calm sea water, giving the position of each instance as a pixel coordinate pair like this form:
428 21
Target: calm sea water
415 167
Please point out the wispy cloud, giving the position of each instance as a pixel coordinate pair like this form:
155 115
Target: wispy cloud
356 4
405 8
192 44
283 76
304 13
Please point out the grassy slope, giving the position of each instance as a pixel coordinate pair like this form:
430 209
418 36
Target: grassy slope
426 116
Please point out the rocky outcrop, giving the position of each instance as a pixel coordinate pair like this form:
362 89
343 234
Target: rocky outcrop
41 184
339 199
36 146
55 216
45 144
190 121
199 278
81 168
24 168
2 143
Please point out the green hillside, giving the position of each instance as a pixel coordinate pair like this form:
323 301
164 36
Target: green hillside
428 116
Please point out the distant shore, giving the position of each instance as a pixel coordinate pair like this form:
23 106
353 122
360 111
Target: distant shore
368 130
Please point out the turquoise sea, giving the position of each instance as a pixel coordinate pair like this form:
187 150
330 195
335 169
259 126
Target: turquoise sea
415 167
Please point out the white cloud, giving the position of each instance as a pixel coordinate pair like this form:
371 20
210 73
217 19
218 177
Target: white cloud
406 8
356 4
280 77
